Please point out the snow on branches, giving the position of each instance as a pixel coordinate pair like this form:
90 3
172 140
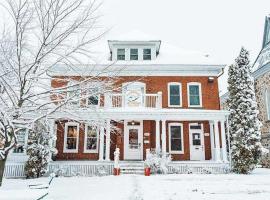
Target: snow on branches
244 124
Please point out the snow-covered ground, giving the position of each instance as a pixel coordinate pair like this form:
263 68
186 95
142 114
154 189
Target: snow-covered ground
136 187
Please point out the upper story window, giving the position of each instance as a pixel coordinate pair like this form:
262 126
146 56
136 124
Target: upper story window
194 95
121 54
174 95
73 93
134 54
146 54
71 138
267 102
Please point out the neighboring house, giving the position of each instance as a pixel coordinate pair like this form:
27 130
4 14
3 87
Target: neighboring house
262 85
168 101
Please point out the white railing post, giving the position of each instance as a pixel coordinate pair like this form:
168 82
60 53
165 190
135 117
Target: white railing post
159 105
116 158
217 143
108 139
107 100
223 142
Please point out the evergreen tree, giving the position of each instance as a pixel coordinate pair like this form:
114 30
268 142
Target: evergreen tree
39 151
244 124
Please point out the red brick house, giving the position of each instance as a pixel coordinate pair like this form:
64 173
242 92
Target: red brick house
168 101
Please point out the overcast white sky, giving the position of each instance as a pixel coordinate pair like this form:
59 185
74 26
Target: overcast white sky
217 27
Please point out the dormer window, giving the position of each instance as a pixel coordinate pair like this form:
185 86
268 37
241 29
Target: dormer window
120 54
133 54
146 54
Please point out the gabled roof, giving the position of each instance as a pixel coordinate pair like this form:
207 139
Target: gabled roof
266 34
262 62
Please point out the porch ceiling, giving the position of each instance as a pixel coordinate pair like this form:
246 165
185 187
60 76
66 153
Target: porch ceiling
142 114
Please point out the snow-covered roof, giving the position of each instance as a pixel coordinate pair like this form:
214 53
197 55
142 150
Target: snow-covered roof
168 54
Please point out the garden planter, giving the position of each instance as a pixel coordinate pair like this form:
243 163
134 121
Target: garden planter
147 171
116 171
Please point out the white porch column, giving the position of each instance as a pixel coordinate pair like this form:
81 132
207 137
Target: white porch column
217 146
212 139
157 136
101 143
108 139
223 141
163 137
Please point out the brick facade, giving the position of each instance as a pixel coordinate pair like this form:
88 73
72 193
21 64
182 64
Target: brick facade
154 84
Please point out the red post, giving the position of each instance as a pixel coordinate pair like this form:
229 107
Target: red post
116 171
147 171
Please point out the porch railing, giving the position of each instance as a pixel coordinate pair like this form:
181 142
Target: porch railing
119 100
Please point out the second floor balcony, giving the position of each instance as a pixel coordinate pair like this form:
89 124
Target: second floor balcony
133 99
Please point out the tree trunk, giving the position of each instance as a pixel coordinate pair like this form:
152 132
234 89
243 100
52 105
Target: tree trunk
2 167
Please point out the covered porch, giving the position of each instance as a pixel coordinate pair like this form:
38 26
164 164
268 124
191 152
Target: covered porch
186 134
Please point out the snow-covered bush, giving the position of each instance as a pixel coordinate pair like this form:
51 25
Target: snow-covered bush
39 156
244 124
39 151
157 162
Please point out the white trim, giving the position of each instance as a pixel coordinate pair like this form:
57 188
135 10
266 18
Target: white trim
200 93
180 94
85 140
144 114
182 138
267 102
138 68
65 150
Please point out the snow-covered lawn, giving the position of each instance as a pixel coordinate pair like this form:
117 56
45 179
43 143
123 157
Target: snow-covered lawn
160 187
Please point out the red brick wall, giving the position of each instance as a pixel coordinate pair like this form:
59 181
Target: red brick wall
154 84
72 156
117 140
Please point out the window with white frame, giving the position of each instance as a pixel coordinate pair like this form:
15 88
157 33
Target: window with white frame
194 95
21 141
73 93
174 94
176 143
121 54
71 139
267 103
134 54
91 139
146 54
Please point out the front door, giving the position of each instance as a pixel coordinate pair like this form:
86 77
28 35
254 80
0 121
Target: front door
196 138
133 140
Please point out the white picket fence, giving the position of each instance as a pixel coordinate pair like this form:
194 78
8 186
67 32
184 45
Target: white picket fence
198 168
80 168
